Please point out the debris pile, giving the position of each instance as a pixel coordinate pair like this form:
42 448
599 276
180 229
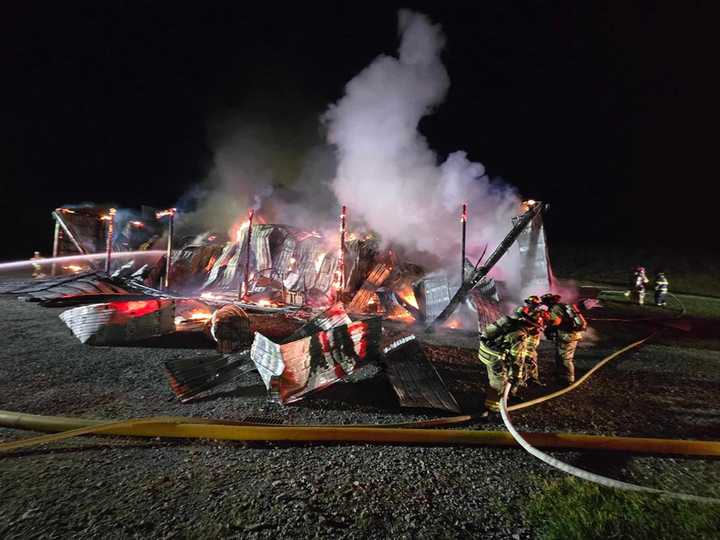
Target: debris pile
277 299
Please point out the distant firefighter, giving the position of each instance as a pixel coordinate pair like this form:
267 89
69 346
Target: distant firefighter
37 267
566 329
637 285
661 289
503 350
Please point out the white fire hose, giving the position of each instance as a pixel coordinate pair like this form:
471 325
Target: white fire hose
587 475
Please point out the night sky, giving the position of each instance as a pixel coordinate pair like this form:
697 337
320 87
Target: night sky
602 110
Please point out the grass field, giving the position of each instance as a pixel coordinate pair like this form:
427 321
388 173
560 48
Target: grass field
570 509
688 272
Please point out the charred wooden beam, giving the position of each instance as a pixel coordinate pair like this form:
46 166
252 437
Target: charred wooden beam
481 272
375 279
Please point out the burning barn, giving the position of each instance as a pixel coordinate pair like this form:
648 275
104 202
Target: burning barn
303 309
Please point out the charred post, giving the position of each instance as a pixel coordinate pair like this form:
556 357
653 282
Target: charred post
56 247
246 280
170 212
110 218
463 220
341 256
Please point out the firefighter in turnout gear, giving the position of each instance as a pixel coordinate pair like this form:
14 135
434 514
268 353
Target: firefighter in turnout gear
503 350
37 267
637 287
566 330
661 289
529 364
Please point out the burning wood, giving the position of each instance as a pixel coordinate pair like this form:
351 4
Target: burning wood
230 328
363 297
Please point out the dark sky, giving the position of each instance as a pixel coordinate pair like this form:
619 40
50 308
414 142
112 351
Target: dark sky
602 109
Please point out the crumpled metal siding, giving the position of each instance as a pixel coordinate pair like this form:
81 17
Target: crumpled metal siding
414 379
100 324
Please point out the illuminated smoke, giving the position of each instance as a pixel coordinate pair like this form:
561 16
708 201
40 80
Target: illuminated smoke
387 173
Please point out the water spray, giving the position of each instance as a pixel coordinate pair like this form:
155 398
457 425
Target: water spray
16 265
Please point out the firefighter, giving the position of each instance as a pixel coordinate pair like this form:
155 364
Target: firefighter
566 329
37 267
532 342
503 350
661 289
637 287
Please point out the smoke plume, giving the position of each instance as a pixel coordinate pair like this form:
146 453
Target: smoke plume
387 174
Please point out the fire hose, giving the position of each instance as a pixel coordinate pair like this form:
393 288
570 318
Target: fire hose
583 474
200 428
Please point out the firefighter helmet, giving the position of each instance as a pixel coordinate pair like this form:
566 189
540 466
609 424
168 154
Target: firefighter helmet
550 299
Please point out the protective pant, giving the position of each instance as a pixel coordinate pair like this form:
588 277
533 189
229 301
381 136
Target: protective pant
565 345
660 297
497 375
37 270
530 353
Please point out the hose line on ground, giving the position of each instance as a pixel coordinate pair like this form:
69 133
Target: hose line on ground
198 428
583 474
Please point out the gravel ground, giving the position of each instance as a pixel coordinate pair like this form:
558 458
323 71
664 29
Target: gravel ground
124 488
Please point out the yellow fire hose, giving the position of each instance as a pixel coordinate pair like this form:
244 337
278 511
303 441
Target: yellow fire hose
198 428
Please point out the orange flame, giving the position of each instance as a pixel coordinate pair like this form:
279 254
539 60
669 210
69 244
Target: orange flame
408 295
73 267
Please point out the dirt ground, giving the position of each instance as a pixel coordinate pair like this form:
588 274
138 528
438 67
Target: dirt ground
124 488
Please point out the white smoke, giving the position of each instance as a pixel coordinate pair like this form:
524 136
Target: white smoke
387 174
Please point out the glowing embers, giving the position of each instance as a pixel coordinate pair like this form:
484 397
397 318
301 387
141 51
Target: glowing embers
114 323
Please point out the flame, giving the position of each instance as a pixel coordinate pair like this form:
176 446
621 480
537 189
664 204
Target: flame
73 267
408 295
306 235
194 315
265 303
209 265
138 224
136 308
453 324
162 213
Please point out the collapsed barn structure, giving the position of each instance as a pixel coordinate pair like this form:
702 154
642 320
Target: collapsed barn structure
304 310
